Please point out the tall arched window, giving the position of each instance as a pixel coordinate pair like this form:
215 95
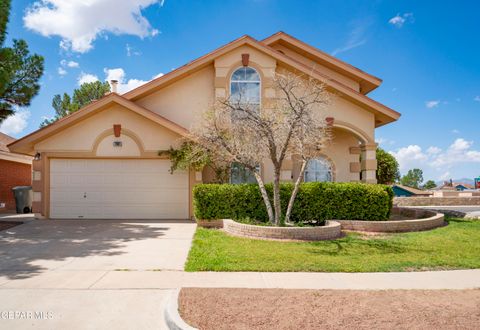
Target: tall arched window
318 169
244 90
245 86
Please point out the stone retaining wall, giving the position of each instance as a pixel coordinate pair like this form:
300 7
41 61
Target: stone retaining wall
424 220
435 201
331 230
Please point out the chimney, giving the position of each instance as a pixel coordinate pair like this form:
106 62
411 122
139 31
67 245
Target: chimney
113 85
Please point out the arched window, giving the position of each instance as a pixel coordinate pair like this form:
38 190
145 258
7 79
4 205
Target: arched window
245 86
239 174
318 169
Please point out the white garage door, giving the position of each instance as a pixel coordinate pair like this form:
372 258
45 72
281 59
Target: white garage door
117 189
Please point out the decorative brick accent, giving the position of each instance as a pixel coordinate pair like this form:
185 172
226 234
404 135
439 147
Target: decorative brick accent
355 167
331 230
355 150
424 220
117 128
13 174
435 201
245 59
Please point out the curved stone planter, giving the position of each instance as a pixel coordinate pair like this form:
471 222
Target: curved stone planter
331 230
423 220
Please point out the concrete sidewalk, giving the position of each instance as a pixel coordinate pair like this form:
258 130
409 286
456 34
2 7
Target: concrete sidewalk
111 280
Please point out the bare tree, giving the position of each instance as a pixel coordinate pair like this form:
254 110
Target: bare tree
292 123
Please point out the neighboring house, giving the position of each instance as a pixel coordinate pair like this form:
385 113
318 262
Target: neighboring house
458 186
102 161
463 186
405 191
15 170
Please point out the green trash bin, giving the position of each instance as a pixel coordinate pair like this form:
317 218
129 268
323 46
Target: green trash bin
23 198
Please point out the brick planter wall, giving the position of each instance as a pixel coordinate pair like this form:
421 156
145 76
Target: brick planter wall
424 220
331 230
435 201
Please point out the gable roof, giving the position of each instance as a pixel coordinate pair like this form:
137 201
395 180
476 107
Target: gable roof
383 114
367 81
5 153
4 140
25 144
414 191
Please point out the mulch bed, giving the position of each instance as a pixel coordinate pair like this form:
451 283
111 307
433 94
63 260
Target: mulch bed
329 309
8 224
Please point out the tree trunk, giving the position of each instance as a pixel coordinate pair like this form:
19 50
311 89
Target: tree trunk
276 196
266 200
295 191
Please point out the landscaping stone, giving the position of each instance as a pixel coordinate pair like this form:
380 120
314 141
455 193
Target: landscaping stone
331 230
421 220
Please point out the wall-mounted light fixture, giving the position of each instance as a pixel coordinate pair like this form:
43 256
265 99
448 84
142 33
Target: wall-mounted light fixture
37 156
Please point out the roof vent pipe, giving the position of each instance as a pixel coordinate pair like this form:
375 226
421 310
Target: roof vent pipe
113 85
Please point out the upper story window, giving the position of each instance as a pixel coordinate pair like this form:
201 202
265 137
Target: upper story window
245 86
318 169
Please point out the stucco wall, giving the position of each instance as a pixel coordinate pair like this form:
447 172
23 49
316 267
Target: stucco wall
84 135
184 100
318 67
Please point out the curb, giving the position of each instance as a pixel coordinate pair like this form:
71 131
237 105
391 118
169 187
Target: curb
171 315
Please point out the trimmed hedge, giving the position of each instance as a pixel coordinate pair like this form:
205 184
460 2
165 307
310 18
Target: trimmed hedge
315 201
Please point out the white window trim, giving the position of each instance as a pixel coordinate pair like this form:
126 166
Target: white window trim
247 81
331 169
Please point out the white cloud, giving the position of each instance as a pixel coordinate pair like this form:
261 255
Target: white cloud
433 150
131 51
444 176
15 123
79 23
400 19
355 39
72 64
86 78
64 64
432 104
61 71
123 84
410 156
384 141
460 152
477 98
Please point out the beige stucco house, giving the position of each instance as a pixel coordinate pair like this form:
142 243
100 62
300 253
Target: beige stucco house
102 161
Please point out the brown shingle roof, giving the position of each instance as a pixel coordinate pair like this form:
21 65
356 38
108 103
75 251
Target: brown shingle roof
4 140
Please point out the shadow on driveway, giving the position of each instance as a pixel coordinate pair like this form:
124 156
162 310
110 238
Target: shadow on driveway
38 246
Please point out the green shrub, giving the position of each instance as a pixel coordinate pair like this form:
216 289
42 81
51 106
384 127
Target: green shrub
315 201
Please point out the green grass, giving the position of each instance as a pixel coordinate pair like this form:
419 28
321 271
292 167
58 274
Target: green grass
456 246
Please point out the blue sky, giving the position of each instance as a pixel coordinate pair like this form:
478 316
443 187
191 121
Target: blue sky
427 55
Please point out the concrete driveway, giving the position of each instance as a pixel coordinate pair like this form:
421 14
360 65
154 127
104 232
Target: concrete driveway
53 266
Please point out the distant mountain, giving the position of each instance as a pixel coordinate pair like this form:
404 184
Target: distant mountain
463 180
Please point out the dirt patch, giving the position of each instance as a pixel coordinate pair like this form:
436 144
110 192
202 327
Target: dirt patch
8 224
329 309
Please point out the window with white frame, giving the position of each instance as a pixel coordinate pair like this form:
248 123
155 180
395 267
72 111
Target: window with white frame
318 169
240 174
245 86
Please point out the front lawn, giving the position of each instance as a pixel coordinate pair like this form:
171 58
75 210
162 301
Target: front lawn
454 246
